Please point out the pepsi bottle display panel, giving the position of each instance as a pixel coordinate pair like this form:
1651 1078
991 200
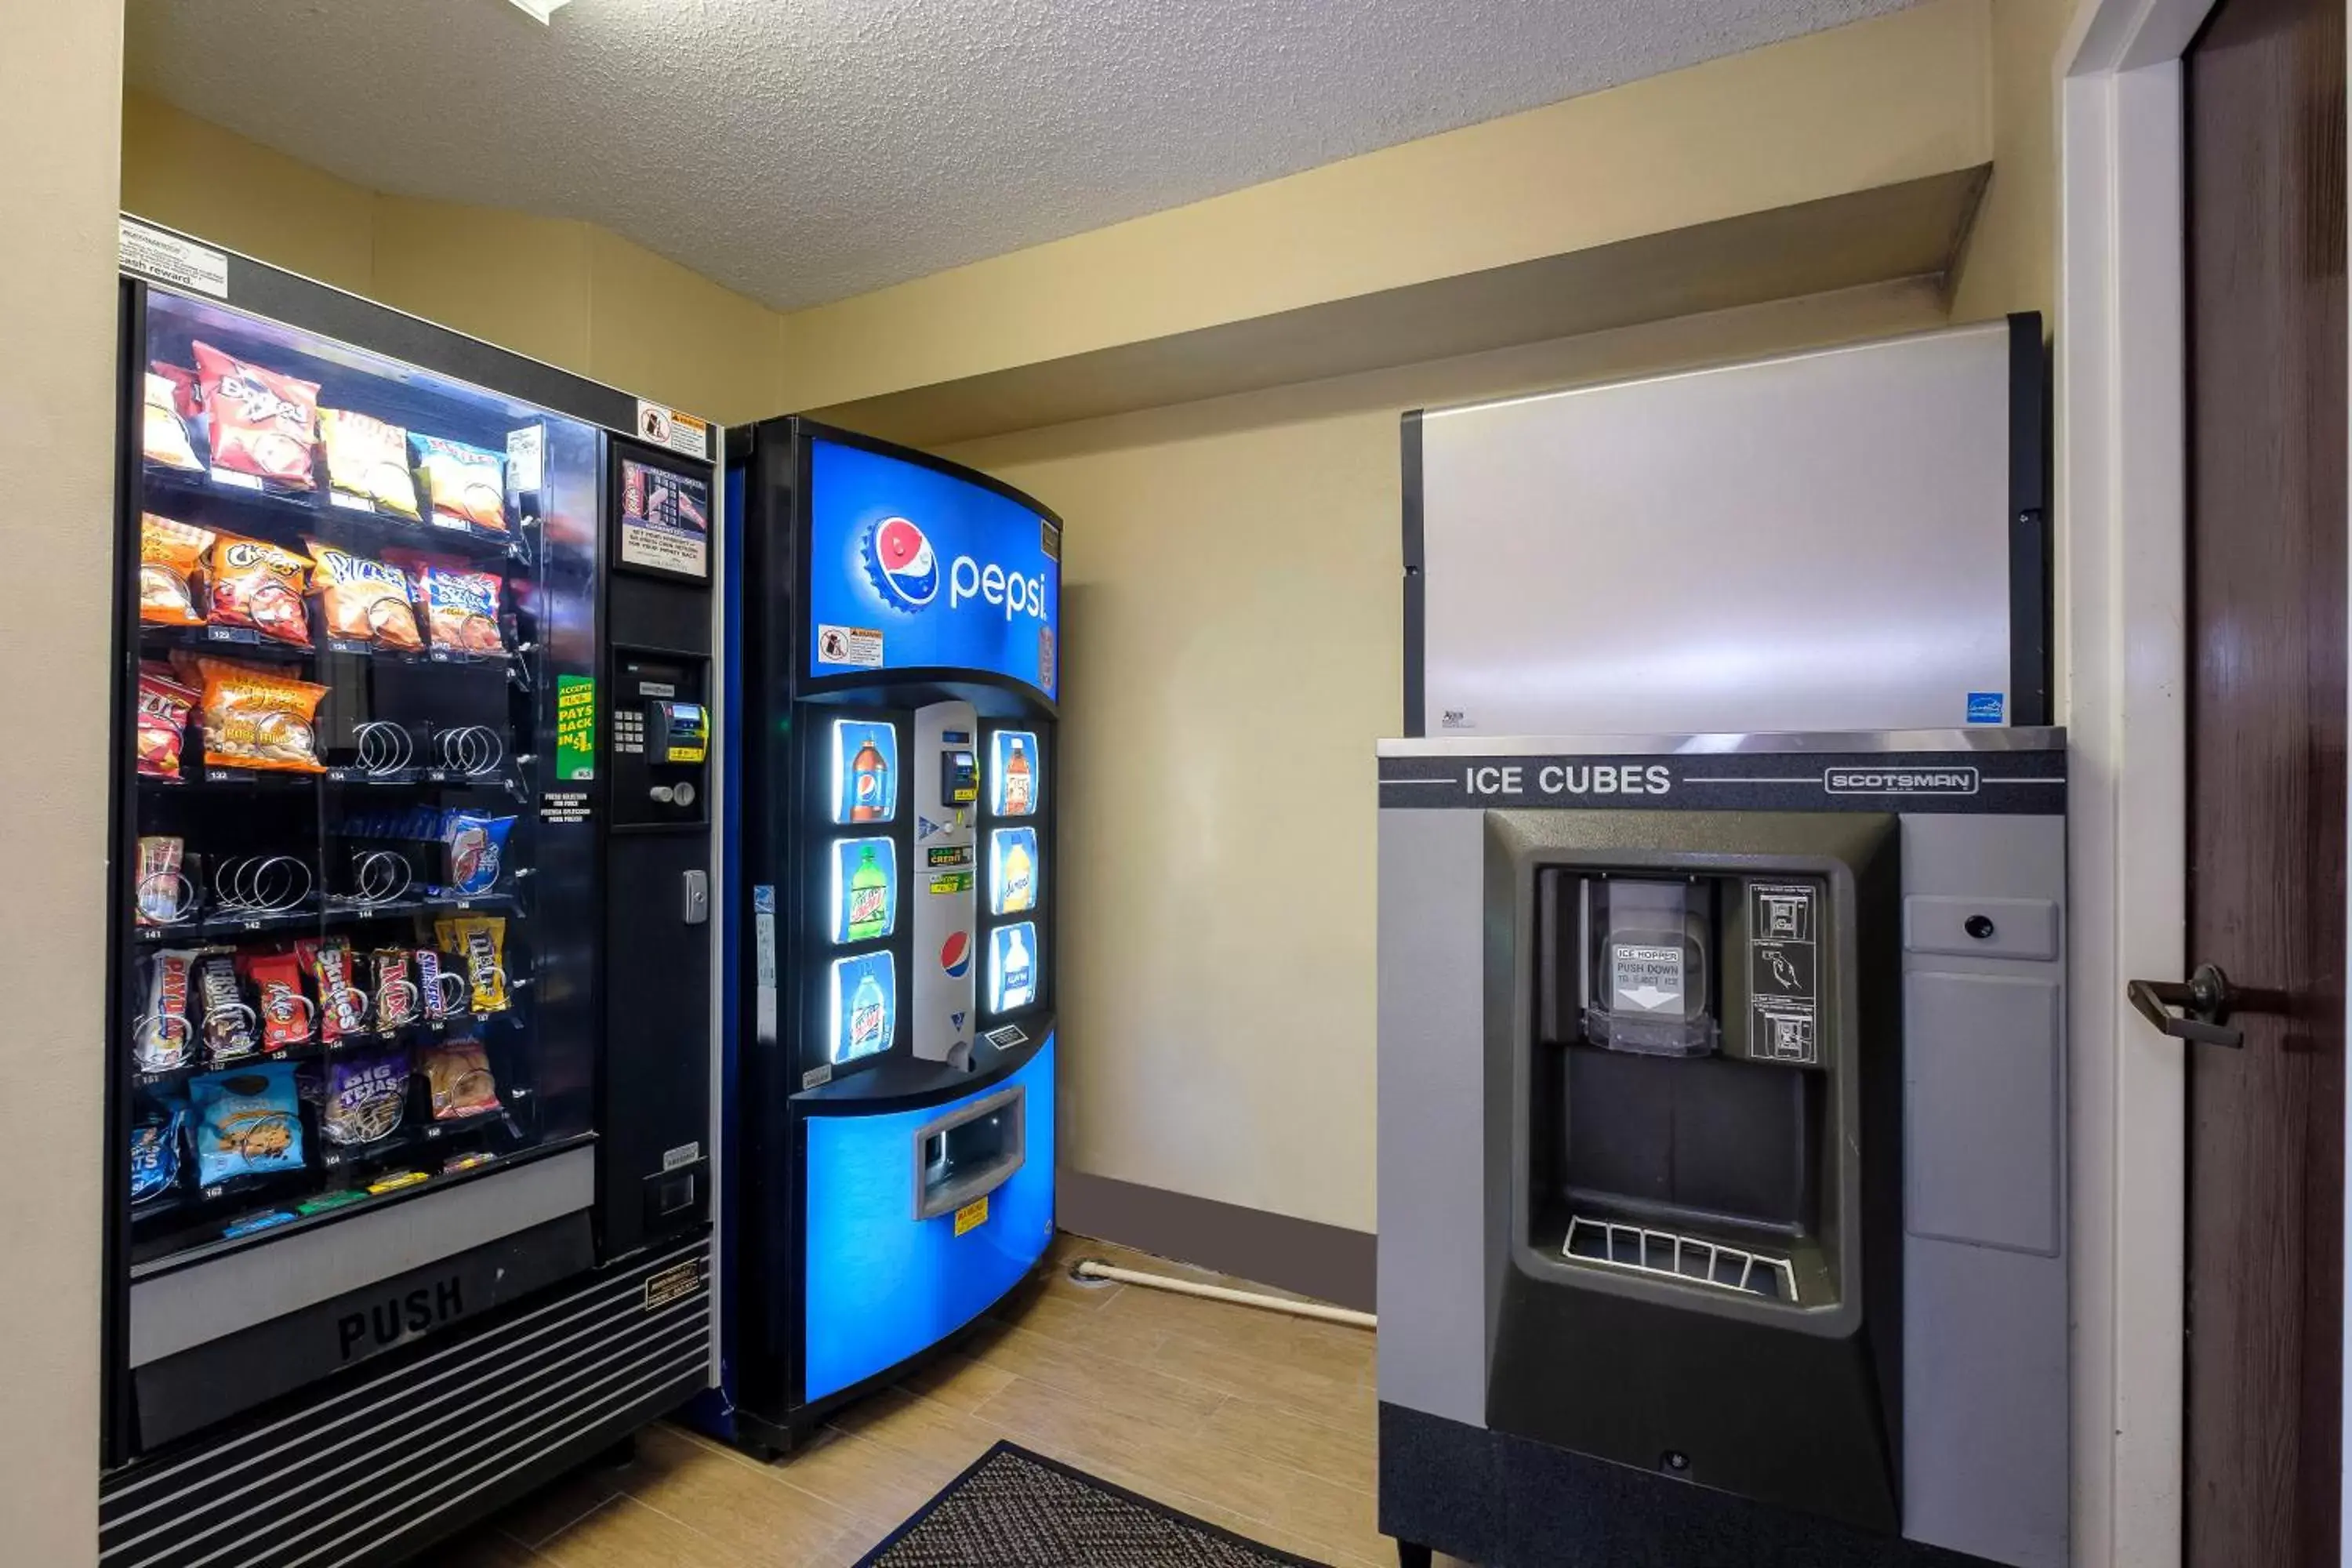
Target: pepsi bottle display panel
899 666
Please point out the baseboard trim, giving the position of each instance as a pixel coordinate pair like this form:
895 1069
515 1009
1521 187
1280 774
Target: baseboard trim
1329 1262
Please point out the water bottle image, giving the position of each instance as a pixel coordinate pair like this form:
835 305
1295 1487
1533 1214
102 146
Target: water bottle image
1016 976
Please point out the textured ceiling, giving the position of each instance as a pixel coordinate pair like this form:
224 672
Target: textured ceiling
801 150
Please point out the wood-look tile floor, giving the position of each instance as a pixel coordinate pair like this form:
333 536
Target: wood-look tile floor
1255 1421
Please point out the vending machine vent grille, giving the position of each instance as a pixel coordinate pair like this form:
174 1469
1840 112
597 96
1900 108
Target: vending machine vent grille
1687 1259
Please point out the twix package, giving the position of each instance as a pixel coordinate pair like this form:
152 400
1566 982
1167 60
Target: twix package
397 1000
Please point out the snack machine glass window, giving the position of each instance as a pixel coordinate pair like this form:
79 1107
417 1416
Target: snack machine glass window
349 969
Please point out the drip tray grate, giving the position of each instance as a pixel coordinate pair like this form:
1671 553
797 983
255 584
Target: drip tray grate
1685 1259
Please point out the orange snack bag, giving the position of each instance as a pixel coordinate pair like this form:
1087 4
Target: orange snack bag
256 585
366 600
171 568
257 718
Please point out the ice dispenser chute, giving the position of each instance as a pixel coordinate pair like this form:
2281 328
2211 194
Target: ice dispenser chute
1704 1073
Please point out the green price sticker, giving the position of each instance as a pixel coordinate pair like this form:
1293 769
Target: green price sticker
575 728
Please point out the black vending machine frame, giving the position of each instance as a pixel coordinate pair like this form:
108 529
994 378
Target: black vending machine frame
784 710
588 1254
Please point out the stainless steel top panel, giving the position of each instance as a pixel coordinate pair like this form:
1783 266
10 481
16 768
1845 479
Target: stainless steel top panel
1989 737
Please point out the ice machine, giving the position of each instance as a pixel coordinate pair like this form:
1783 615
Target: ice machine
1721 1005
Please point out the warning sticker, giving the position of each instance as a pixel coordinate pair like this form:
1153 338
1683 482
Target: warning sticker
972 1216
1783 972
859 646
665 427
1647 977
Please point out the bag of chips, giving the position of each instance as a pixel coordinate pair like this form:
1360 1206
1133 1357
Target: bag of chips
164 1039
164 434
163 894
476 845
263 424
228 1022
163 708
155 1150
479 942
249 1122
368 458
467 484
459 1076
171 571
343 1006
256 585
187 398
366 600
256 718
461 607
288 1018
366 1095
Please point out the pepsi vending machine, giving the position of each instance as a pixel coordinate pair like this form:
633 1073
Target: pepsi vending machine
890 1158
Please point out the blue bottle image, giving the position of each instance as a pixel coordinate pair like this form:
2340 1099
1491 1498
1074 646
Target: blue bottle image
1012 967
864 772
864 1005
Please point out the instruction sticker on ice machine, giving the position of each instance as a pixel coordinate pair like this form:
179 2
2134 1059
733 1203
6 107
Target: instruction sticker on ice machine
1783 977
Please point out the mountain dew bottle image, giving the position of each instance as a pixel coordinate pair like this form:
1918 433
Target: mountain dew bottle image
870 1016
869 900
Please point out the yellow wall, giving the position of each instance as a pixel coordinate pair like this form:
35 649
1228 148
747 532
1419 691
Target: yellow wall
1231 604
58 195
557 289
1898 98
2012 258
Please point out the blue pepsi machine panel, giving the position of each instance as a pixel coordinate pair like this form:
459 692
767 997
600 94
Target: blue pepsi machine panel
882 1284
913 569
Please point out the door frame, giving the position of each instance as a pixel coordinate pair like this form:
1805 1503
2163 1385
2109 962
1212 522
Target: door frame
2122 414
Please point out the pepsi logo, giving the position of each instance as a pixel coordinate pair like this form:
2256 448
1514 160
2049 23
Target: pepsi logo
955 955
901 560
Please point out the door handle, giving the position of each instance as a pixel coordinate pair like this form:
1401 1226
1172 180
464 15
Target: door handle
2203 1004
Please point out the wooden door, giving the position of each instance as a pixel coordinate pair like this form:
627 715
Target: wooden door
2266 806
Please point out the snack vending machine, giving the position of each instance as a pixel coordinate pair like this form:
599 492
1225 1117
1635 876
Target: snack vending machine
409 1053
890 1067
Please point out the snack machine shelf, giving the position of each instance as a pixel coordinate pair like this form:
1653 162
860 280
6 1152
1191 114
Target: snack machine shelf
436 1181
221 640
338 915
357 1043
284 517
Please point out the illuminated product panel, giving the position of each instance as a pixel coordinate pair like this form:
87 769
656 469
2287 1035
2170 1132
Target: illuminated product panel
1016 774
1011 870
864 894
1014 969
865 995
864 772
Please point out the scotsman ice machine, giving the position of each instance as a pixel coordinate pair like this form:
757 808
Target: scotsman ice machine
1720 1077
